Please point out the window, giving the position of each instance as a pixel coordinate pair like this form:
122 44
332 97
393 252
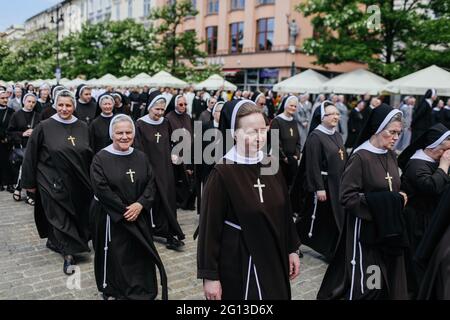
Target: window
118 11
265 2
237 4
236 37
211 40
147 7
130 8
264 35
213 6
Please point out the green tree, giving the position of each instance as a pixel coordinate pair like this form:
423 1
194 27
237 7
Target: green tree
393 38
179 52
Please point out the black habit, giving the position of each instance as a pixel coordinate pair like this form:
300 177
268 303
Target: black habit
125 255
57 161
6 176
99 133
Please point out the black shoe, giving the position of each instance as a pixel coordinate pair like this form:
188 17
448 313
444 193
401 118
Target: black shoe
10 189
174 244
69 261
2 188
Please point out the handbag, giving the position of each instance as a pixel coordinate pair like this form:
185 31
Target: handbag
17 155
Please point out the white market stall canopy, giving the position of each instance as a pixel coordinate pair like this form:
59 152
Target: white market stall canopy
140 80
419 82
359 81
309 81
165 79
74 83
215 82
107 80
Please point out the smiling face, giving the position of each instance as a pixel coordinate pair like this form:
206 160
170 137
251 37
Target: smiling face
65 108
123 135
107 106
389 136
251 134
331 118
290 108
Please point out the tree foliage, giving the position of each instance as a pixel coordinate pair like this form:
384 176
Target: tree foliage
394 39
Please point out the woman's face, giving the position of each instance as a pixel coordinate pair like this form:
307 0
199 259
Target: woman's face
251 135
181 105
29 103
390 135
291 107
65 108
107 106
44 93
123 135
157 111
331 118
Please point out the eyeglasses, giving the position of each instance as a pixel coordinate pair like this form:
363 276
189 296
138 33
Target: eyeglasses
332 114
182 104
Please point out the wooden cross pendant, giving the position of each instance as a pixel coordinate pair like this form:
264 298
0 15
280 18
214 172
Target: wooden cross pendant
389 179
158 135
341 153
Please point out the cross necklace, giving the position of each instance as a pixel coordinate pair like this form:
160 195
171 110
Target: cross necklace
341 152
388 177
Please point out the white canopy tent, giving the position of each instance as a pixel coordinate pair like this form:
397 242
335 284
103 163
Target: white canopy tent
309 81
107 80
419 82
75 83
142 79
215 82
359 81
165 79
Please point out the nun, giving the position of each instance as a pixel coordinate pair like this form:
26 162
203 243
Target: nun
425 166
321 215
422 116
49 112
6 113
124 186
99 136
247 246
183 170
44 101
370 260
20 129
206 116
120 107
289 138
153 137
259 99
56 167
87 109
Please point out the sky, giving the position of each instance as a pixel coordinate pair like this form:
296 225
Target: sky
16 12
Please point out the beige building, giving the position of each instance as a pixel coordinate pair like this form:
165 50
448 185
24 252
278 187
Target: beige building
251 39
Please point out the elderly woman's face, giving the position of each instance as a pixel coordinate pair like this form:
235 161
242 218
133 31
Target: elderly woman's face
65 108
390 135
107 106
123 135
331 118
29 103
251 135
291 107
157 111
181 105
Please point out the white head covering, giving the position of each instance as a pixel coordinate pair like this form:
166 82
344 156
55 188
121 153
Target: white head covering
322 108
439 141
106 96
235 111
118 118
156 99
387 120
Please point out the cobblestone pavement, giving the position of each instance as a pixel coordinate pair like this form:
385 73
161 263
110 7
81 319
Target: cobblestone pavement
28 270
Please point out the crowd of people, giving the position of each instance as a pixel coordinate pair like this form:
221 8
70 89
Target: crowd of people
368 186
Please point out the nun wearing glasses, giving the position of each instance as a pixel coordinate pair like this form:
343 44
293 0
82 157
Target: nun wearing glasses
126 258
370 262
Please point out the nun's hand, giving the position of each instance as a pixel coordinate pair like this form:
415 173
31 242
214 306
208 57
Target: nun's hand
133 212
212 289
405 198
322 195
294 265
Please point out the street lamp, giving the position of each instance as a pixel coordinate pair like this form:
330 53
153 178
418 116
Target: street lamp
59 18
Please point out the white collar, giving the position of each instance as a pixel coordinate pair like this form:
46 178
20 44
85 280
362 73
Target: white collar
372 107
447 107
285 117
234 156
436 109
18 99
357 110
386 120
371 148
25 110
421 155
3 108
215 124
178 112
111 149
57 118
106 116
149 120
430 102
325 130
